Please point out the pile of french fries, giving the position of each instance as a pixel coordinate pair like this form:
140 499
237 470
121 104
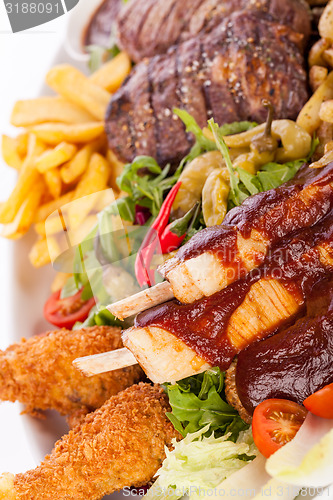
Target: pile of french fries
61 154
317 114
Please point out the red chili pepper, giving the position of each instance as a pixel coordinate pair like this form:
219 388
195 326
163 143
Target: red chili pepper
175 232
144 274
170 241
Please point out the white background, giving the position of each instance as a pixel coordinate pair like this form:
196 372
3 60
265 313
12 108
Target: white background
24 60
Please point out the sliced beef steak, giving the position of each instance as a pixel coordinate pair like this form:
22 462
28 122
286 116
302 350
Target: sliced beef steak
225 74
144 30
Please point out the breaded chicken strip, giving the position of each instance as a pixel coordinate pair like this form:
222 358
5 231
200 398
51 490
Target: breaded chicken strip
39 372
119 445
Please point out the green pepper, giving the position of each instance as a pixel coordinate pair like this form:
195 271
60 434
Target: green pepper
215 197
193 179
295 141
263 146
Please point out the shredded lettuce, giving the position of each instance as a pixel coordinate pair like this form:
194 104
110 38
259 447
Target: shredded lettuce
98 317
198 464
198 401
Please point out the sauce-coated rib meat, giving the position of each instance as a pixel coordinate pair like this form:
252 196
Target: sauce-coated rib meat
145 30
225 74
217 256
294 363
216 328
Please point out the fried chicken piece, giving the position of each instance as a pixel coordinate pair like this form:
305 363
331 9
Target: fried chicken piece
39 372
121 444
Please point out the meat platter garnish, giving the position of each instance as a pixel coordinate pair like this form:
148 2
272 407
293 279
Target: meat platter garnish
194 311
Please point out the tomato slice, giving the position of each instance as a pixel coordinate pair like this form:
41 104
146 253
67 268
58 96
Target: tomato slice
64 313
275 423
321 402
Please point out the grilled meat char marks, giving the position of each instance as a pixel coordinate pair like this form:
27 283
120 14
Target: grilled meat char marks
145 31
169 130
294 363
268 63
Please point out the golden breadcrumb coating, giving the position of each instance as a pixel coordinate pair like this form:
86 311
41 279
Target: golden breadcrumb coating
119 445
39 372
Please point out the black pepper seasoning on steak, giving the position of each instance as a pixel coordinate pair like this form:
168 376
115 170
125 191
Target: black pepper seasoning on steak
145 30
225 74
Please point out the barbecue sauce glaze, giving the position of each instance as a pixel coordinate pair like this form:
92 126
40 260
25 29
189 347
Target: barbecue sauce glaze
294 363
274 214
295 261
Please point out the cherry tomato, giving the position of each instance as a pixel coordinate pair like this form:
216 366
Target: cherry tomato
64 313
321 402
275 423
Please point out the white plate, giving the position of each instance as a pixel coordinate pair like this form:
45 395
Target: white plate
30 287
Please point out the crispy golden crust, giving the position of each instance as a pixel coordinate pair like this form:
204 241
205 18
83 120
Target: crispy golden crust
39 372
119 445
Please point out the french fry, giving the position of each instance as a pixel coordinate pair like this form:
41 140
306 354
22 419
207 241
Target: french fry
28 177
45 210
326 111
10 154
59 281
40 228
48 109
55 157
22 144
55 133
94 180
53 225
317 51
326 22
328 56
111 75
25 215
72 170
317 76
77 88
105 198
309 117
39 254
116 169
53 182
77 235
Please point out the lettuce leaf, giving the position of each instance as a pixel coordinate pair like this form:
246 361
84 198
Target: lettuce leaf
146 189
198 464
198 402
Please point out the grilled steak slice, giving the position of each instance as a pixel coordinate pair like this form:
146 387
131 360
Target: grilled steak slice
292 364
145 30
225 74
